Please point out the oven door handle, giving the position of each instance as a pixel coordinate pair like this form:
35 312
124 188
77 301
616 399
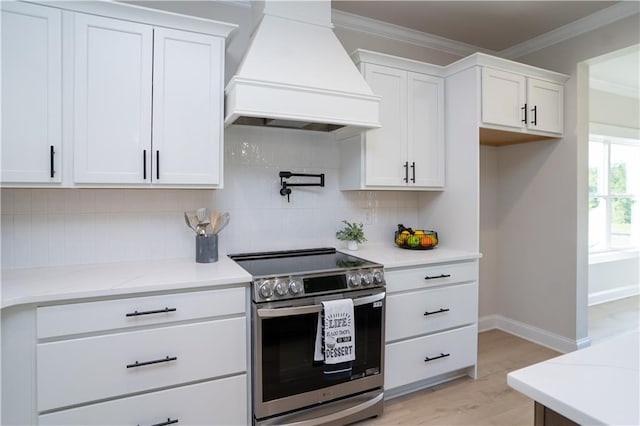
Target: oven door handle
311 309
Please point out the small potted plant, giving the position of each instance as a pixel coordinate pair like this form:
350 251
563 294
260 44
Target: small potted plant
352 233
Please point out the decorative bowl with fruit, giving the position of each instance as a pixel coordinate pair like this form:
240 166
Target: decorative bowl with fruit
419 239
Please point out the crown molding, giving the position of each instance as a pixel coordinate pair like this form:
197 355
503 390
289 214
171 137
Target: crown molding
588 23
614 88
374 27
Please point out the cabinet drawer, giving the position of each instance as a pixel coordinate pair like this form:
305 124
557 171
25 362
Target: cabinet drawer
430 276
122 313
427 311
92 368
405 361
200 404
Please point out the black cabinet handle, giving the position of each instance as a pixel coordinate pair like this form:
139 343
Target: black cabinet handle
413 171
144 164
158 311
524 108
442 355
535 115
437 276
406 171
439 311
155 361
168 422
158 165
52 153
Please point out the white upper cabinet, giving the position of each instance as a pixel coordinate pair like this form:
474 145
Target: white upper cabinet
187 107
516 102
112 100
128 73
546 106
407 152
31 94
111 95
386 147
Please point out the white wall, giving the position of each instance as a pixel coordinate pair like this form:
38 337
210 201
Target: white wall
49 227
488 231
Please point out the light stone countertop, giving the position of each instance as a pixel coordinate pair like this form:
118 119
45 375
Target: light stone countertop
50 284
53 284
596 385
392 256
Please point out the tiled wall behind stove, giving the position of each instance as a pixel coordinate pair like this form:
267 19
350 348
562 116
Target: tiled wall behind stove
48 227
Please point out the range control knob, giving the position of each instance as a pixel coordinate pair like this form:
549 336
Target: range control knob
366 278
266 289
295 286
280 288
353 280
378 276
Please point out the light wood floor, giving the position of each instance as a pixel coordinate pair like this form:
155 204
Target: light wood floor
488 400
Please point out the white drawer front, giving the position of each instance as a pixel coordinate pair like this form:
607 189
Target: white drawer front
219 402
430 276
88 369
446 307
112 314
405 361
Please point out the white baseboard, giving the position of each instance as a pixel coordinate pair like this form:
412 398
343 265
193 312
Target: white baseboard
531 333
613 294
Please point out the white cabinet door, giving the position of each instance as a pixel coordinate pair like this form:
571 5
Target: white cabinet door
217 402
545 101
503 98
425 148
88 369
31 93
386 147
112 100
187 108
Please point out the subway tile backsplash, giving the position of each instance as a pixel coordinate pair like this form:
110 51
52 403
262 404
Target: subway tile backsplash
50 227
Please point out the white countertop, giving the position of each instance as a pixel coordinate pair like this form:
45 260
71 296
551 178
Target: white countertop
38 285
392 256
595 385
51 284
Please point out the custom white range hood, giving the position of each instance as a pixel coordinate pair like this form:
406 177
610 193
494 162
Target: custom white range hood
296 74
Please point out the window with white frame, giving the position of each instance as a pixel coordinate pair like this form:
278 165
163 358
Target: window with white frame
614 190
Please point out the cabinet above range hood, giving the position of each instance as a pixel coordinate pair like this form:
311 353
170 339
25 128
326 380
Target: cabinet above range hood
296 74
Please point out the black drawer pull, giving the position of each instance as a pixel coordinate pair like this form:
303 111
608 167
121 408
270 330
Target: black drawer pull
524 108
437 276
427 359
535 115
155 361
437 312
159 311
168 422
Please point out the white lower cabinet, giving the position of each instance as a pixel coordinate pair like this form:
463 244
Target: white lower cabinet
197 404
431 325
144 360
421 358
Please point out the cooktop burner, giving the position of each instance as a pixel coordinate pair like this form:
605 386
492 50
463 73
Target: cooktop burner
293 262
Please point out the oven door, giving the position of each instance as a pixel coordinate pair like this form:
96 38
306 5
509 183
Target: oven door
286 377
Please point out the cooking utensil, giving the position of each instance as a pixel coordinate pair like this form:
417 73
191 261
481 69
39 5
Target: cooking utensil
191 220
202 215
213 219
221 223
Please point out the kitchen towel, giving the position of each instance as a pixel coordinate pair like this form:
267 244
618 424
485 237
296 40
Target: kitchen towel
335 334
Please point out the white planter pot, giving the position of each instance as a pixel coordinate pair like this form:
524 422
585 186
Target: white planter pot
352 245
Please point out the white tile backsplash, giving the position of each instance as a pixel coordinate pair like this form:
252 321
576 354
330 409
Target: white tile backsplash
51 227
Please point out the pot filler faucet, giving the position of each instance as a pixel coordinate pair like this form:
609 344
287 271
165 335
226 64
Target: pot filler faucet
286 186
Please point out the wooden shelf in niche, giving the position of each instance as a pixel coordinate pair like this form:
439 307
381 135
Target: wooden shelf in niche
493 137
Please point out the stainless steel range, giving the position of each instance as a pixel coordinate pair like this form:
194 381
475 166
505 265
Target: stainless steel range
288 289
